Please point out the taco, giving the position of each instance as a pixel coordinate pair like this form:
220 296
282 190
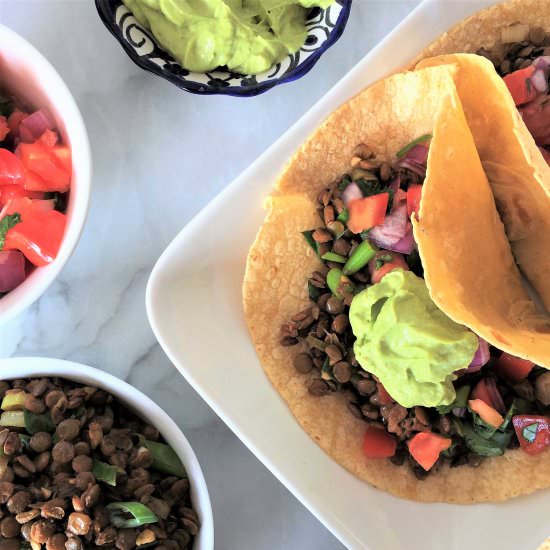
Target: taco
420 373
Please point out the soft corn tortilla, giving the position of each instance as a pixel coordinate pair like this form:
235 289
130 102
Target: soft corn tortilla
280 262
518 174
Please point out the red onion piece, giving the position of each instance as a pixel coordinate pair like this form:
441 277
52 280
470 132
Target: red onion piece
392 230
418 154
351 193
395 185
413 166
406 244
459 411
481 356
12 269
34 125
494 394
539 80
536 116
542 62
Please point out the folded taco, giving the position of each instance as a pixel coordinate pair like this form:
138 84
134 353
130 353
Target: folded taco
385 303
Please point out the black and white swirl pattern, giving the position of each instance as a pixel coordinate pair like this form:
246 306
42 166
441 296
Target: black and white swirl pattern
324 28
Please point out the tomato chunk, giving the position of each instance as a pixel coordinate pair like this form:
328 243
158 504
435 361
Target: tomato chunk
9 192
520 86
389 261
486 412
481 392
533 432
4 128
367 212
513 369
12 170
39 234
425 448
414 193
378 443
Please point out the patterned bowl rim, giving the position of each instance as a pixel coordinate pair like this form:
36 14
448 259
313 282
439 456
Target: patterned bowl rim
103 9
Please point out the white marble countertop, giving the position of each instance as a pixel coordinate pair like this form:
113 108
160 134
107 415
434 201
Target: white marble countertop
160 155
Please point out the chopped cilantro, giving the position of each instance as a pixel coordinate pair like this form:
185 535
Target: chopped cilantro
344 182
382 260
308 236
6 223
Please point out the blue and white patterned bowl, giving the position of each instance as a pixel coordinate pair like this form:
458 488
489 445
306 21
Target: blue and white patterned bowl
324 26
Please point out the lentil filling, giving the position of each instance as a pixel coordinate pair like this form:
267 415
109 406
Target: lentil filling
78 470
325 337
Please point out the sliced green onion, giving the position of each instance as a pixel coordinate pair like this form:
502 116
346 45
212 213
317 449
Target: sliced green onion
339 284
315 342
343 216
106 472
360 257
14 401
401 153
333 257
13 419
336 228
308 236
127 515
165 458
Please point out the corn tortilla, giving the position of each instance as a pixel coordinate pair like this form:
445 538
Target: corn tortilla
279 263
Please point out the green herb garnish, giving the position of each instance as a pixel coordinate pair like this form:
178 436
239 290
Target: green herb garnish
493 446
333 257
127 515
308 236
313 292
343 216
461 400
383 260
6 223
371 187
31 422
344 182
402 152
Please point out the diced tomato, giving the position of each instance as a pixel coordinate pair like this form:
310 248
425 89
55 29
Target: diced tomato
8 192
520 85
12 170
48 138
14 121
378 443
536 116
486 412
367 212
425 448
397 262
414 193
41 161
513 369
533 432
63 157
384 397
39 234
4 128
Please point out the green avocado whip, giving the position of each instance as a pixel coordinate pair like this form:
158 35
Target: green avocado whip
407 342
247 36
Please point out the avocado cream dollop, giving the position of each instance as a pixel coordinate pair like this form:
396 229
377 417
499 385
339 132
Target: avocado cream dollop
407 342
247 36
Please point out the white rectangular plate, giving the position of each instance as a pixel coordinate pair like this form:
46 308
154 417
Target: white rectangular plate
194 306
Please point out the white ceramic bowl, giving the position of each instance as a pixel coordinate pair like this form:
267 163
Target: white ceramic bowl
194 303
140 404
26 73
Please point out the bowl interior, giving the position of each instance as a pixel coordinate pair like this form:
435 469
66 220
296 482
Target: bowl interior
324 27
141 405
27 74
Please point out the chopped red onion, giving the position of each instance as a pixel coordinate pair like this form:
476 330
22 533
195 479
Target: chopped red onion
34 125
392 230
413 166
406 244
542 62
459 411
481 356
494 394
539 79
351 193
418 154
12 269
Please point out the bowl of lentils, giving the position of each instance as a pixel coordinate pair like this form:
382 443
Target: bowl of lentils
88 461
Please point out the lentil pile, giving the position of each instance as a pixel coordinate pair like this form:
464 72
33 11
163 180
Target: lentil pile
325 337
78 470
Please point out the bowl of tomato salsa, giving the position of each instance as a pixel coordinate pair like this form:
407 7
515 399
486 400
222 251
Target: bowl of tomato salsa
45 174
